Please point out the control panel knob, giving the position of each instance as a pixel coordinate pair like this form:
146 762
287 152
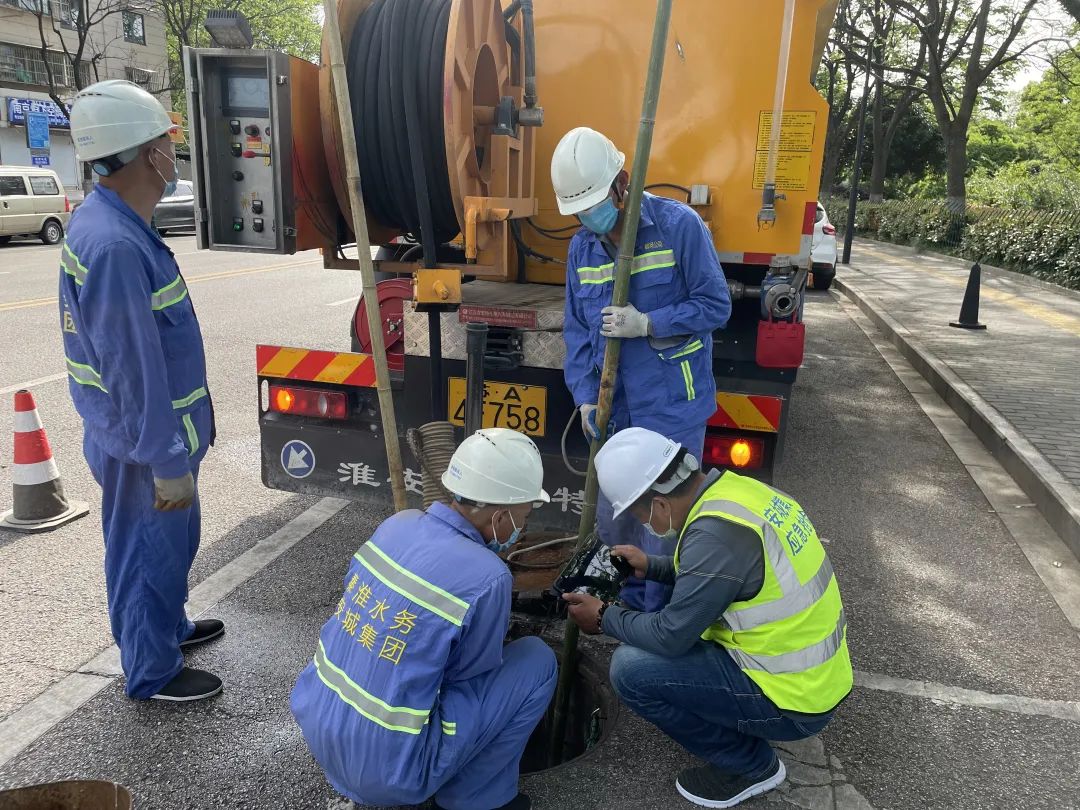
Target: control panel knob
237 176
252 130
234 126
256 206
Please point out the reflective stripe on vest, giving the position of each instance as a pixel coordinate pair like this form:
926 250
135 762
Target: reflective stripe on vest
170 294
394 718
84 375
657 260
798 661
72 266
412 587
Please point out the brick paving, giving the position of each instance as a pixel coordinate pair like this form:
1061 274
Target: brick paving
1026 364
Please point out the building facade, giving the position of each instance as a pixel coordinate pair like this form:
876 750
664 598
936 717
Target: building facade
126 40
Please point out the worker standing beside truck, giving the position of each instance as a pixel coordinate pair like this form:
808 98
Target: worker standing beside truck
678 297
138 380
412 693
753 645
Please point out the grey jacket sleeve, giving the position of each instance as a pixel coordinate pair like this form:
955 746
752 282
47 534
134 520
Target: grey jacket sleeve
661 569
717 561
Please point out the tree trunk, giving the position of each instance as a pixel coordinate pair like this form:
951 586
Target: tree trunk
956 167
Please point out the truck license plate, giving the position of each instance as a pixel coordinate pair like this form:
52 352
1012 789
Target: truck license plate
518 407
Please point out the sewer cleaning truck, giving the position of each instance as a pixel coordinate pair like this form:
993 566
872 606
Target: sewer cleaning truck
457 107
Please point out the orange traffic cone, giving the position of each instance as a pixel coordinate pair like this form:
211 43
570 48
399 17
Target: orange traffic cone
39 502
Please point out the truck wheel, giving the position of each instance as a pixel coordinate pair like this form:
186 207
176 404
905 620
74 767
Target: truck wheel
4 240
822 281
52 233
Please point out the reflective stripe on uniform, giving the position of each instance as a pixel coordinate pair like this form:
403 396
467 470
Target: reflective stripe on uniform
688 378
656 260
410 586
190 399
394 718
781 564
797 661
171 294
72 266
790 604
84 374
192 434
449 729
693 347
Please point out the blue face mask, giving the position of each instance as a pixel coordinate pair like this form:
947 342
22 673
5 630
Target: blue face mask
170 185
671 534
601 218
515 535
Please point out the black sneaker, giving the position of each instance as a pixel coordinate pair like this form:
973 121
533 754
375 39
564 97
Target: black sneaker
189 684
711 787
205 629
519 802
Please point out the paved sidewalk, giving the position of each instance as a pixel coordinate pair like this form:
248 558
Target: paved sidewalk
1017 383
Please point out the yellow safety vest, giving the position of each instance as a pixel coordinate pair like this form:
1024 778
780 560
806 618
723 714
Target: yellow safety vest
791 638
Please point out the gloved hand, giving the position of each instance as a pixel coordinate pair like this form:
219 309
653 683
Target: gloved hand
174 493
588 422
624 322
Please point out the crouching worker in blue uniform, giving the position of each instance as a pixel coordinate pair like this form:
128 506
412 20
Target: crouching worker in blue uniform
753 645
412 693
678 298
138 380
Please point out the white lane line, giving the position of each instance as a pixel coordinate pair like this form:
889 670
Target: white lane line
352 299
30 722
1014 704
11 389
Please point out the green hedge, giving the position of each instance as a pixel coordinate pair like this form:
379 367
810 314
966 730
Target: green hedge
1044 244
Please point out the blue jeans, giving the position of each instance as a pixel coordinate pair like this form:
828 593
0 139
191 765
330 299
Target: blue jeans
639 594
704 702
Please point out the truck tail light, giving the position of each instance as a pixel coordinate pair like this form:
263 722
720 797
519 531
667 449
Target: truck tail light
828 230
309 402
737 452
67 205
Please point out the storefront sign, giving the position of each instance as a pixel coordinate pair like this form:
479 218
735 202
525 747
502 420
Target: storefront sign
19 107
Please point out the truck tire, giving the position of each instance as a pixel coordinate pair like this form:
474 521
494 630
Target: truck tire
52 232
822 281
4 240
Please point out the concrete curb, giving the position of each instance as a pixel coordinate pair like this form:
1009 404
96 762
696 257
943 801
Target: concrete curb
1056 498
965 264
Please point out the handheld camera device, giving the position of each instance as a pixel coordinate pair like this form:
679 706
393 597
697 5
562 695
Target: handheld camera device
594 568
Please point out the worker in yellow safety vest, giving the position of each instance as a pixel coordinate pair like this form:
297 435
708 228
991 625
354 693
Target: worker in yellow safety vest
753 644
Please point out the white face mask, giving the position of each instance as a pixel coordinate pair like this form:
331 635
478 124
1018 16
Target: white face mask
170 185
671 534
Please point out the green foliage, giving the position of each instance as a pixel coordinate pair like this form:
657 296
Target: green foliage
1030 184
992 143
1043 244
1049 115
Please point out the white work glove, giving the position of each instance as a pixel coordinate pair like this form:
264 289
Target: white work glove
624 322
174 493
588 421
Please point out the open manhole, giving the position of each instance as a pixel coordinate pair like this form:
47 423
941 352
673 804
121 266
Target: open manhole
75 795
535 563
594 708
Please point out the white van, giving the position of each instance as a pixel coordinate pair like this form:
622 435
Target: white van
32 203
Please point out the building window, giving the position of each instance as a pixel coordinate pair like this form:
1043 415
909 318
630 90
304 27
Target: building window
19 63
140 76
35 6
134 28
65 12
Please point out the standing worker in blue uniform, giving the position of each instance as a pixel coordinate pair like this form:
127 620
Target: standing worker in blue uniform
678 298
138 380
412 693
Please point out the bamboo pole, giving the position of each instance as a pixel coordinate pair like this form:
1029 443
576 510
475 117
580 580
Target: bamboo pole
339 83
619 297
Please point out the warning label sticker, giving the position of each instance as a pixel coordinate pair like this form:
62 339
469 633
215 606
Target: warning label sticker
797 132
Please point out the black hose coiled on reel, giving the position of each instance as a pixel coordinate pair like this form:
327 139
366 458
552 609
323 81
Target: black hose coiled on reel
395 69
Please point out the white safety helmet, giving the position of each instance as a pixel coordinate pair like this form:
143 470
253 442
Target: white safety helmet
113 117
496 467
632 460
584 166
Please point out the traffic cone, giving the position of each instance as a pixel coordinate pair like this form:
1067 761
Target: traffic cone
39 502
969 309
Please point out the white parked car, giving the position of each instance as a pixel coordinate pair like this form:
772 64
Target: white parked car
823 253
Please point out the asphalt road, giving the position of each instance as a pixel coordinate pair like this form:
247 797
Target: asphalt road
968 694
52 593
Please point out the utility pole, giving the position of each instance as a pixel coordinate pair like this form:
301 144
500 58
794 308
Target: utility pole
856 170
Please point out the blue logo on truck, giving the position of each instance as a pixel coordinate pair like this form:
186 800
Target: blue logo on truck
298 459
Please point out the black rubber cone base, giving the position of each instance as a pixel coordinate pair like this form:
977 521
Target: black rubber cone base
75 510
962 325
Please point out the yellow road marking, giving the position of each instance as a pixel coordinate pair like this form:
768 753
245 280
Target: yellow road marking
42 302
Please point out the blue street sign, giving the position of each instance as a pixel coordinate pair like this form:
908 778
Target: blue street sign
37 130
19 107
39 160
298 459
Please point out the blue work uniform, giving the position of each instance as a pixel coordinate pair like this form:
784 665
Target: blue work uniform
411 692
665 381
137 375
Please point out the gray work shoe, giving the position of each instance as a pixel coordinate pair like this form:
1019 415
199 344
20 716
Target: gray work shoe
711 787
